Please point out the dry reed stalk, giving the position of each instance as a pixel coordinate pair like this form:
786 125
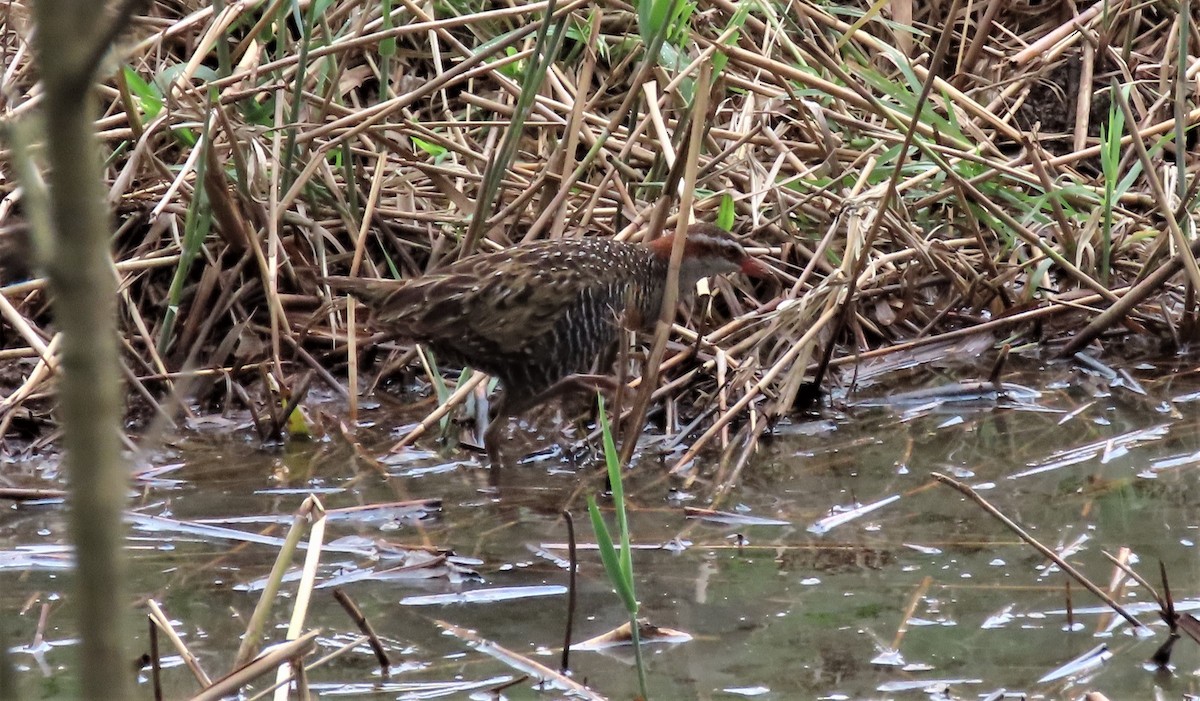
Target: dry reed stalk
332 655
262 665
809 116
190 660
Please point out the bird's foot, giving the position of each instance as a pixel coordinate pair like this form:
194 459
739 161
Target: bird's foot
492 438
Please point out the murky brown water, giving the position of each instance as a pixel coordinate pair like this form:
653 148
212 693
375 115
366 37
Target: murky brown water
924 590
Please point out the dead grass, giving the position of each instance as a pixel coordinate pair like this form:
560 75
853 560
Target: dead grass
252 151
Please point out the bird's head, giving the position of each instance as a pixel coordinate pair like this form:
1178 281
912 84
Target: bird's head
708 250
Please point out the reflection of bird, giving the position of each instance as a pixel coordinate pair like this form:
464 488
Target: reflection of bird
538 315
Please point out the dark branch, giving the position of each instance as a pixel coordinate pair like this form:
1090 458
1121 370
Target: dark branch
127 9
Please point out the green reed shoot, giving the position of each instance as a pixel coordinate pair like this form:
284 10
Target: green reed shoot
618 565
546 49
196 225
1110 162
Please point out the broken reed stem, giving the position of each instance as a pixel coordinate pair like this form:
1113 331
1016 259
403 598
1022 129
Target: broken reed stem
364 625
190 660
459 396
320 661
1070 605
254 628
314 511
519 662
683 465
278 655
352 358
1123 565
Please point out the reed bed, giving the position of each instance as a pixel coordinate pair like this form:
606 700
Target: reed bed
915 173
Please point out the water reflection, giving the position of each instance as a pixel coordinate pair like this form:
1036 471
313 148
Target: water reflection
835 567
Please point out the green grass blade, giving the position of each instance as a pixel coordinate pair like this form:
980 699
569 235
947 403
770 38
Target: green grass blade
608 556
1110 163
197 224
306 21
546 49
613 461
726 212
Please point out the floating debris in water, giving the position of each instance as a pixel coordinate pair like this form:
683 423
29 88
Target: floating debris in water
830 522
484 596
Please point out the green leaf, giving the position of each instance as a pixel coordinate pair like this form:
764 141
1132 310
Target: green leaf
439 385
725 212
148 97
437 151
167 76
196 225
259 113
1036 280
613 461
608 556
515 69
298 424
652 18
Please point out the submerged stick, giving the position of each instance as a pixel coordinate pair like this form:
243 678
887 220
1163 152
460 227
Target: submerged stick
573 559
1050 554
367 629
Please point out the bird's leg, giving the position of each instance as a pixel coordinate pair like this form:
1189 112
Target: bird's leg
576 383
584 384
510 405
491 438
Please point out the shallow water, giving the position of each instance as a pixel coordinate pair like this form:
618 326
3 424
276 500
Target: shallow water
925 594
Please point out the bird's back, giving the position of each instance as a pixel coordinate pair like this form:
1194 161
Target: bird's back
530 314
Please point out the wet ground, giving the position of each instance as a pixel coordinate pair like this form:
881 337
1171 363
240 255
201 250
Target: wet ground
836 567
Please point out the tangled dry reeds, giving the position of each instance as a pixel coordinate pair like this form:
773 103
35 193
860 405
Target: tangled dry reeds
1034 170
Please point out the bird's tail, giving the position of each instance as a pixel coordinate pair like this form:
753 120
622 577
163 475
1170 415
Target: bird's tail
391 302
366 289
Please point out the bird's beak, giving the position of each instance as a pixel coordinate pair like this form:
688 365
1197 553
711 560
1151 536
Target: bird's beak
754 267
